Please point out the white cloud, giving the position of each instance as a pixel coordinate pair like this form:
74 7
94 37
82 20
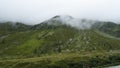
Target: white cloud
35 11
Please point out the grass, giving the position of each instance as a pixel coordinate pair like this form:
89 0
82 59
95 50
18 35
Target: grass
61 47
50 41
69 60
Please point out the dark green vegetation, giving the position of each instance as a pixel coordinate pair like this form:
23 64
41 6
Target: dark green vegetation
66 60
109 28
58 46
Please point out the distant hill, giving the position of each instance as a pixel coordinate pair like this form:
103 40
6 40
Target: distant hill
109 28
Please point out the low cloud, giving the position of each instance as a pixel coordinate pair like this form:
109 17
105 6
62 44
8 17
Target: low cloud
73 22
36 11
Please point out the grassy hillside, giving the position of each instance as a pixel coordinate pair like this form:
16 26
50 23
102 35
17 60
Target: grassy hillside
56 40
53 46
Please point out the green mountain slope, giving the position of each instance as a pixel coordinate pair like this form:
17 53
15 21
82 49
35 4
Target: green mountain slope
55 43
108 28
55 40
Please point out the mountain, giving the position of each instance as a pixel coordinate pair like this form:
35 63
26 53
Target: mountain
58 43
109 28
9 27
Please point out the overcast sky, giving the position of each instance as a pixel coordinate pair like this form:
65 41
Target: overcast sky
36 11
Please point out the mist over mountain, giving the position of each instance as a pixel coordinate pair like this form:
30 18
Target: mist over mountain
59 33
67 20
61 39
36 11
76 23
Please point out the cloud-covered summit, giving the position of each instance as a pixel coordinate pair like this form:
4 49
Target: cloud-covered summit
69 20
35 11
